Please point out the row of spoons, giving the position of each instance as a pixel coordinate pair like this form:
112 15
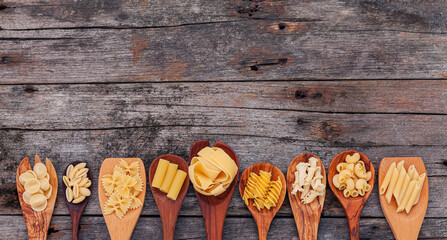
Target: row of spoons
214 208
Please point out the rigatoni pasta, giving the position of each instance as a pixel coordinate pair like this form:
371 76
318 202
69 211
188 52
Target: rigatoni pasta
352 177
308 180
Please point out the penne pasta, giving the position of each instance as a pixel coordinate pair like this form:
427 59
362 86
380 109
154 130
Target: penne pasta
404 187
400 165
393 181
400 182
414 194
421 183
386 180
408 192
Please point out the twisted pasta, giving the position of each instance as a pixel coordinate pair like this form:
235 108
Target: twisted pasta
264 192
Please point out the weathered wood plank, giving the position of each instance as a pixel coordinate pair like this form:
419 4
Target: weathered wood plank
426 97
12 227
364 14
249 50
94 146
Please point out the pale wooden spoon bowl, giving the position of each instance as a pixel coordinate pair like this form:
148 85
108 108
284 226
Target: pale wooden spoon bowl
120 229
214 208
37 223
168 208
264 217
353 205
307 216
404 226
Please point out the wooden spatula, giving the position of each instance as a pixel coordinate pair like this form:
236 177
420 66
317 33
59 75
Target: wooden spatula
214 208
168 208
404 226
37 223
264 217
120 229
76 210
307 216
353 205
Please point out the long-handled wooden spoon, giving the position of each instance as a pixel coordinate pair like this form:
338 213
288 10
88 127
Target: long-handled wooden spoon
37 223
168 208
264 217
76 210
121 229
404 226
353 205
214 208
307 216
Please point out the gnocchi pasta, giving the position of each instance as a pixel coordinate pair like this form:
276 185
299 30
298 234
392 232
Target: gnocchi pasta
37 187
262 190
77 183
352 177
308 180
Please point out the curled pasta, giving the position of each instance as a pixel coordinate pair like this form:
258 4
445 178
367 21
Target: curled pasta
352 178
352 158
264 192
346 193
350 185
341 166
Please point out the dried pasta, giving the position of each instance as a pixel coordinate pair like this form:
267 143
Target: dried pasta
308 180
37 186
122 188
405 186
76 181
168 178
262 190
352 177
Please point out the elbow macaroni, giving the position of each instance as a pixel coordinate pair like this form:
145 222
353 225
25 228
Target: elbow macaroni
352 177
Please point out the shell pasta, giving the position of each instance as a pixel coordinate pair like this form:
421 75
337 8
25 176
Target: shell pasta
352 177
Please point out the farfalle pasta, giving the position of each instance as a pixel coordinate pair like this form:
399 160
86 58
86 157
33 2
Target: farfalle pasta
308 181
77 182
122 188
264 192
37 187
352 177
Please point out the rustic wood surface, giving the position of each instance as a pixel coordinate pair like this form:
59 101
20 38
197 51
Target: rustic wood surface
87 80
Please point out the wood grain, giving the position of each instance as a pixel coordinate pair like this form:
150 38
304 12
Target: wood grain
307 216
37 223
353 205
168 208
403 225
214 208
264 217
121 229
76 210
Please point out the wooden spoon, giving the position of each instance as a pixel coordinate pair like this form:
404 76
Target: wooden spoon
76 210
353 205
307 216
168 208
121 229
404 226
214 208
37 223
263 217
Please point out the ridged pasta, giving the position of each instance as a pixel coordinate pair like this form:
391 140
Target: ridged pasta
352 177
264 192
77 182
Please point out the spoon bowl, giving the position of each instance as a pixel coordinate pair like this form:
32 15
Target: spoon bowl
121 229
352 205
37 223
307 216
264 217
214 208
168 208
76 210
404 226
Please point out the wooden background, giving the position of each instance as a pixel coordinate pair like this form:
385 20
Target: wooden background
90 79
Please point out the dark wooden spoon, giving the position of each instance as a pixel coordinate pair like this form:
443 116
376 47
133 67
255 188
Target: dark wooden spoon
264 217
307 216
169 208
214 208
353 205
76 210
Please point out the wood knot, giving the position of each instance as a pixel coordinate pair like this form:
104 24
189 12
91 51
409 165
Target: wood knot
3 6
300 94
257 8
5 60
329 131
30 89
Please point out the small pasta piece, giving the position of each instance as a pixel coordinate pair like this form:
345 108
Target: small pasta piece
404 187
354 193
342 186
341 166
421 183
408 192
368 176
360 184
352 158
40 169
69 194
32 186
346 193
350 167
26 197
400 182
415 175
84 191
359 171
414 194
400 165
393 181
79 199
387 179
367 187
411 170
361 192
335 181
350 185
343 175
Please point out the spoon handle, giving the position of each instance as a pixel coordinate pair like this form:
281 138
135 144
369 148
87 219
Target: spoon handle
214 222
168 221
354 224
75 218
263 223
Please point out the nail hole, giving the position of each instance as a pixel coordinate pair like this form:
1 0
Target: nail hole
254 68
282 26
30 89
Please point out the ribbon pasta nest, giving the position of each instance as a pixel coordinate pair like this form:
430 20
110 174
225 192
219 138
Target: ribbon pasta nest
352 177
77 183
37 187
122 187
212 171
308 181
262 190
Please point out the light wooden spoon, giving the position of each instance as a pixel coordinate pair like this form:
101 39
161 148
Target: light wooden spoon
307 216
353 205
37 223
404 226
264 217
168 208
214 208
120 229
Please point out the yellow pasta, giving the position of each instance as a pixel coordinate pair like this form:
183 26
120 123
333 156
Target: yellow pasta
262 190
421 183
169 177
400 165
387 179
393 181
350 185
399 183
352 158
408 192
77 183
352 177
160 173
404 187
177 184
414 194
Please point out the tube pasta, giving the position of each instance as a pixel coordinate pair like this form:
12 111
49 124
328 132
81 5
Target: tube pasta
386 180
400 182
308 181
421 183
393 181
352 177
